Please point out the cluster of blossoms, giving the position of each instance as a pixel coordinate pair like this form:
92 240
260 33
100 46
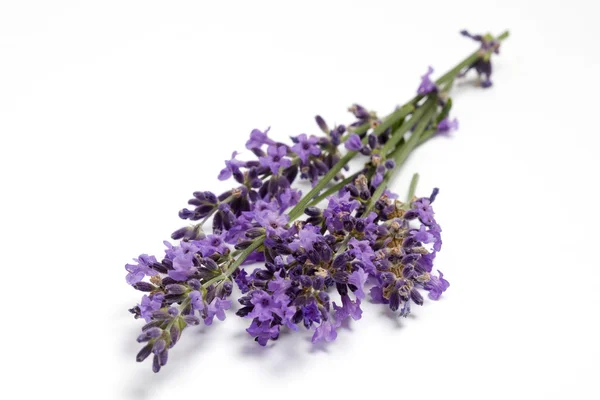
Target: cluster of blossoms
359 241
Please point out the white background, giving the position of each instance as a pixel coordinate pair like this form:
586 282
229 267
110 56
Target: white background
112 113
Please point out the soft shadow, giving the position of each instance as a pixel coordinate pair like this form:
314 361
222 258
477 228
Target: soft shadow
288 354
145 382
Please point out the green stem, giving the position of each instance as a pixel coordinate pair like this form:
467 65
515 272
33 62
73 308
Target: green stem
236 262
400 153
338 186
298 210
399 134
412 188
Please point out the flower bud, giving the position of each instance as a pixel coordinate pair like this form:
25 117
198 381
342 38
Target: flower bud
312 211
175 333
159 346
155 364
191 319
176 289
144 286
253 233
242 312
411 214
194 284
185 213
209 263
322 124
416 297
163 357
160 315
394 300
144 353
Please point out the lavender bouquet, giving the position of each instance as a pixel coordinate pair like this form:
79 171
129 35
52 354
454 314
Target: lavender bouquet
314 270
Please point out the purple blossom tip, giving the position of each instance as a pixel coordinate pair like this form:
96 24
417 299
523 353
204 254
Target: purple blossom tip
447 125
353 143
427 85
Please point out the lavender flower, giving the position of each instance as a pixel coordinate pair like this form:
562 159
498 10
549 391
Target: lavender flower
258 139
306 146
231 167
353 143
315 271
447 125
427 85
150 304
436 286
216 309
326 331
483 64
275 158
143 268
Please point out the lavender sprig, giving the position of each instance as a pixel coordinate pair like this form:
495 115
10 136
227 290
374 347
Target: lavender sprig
363 237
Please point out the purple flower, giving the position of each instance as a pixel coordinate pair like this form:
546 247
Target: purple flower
338 209
405 310
446 125
436 286
264 306
358 278
216 308
311 314
377 295
426 261
196 300
183 268
427 85
257 139
149 304
212 244
231 167
141 269
362 251
307 238
353 143
483 65
275 158
288 198
379 175
183 260
274 222
424 210
263 331
348 309
326 331
306 146
279 285
422 235
242 281
239 228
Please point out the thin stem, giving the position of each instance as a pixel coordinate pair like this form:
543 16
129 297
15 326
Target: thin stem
299 208
427 135
400 153
338 186
412 188
399 134
386 122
